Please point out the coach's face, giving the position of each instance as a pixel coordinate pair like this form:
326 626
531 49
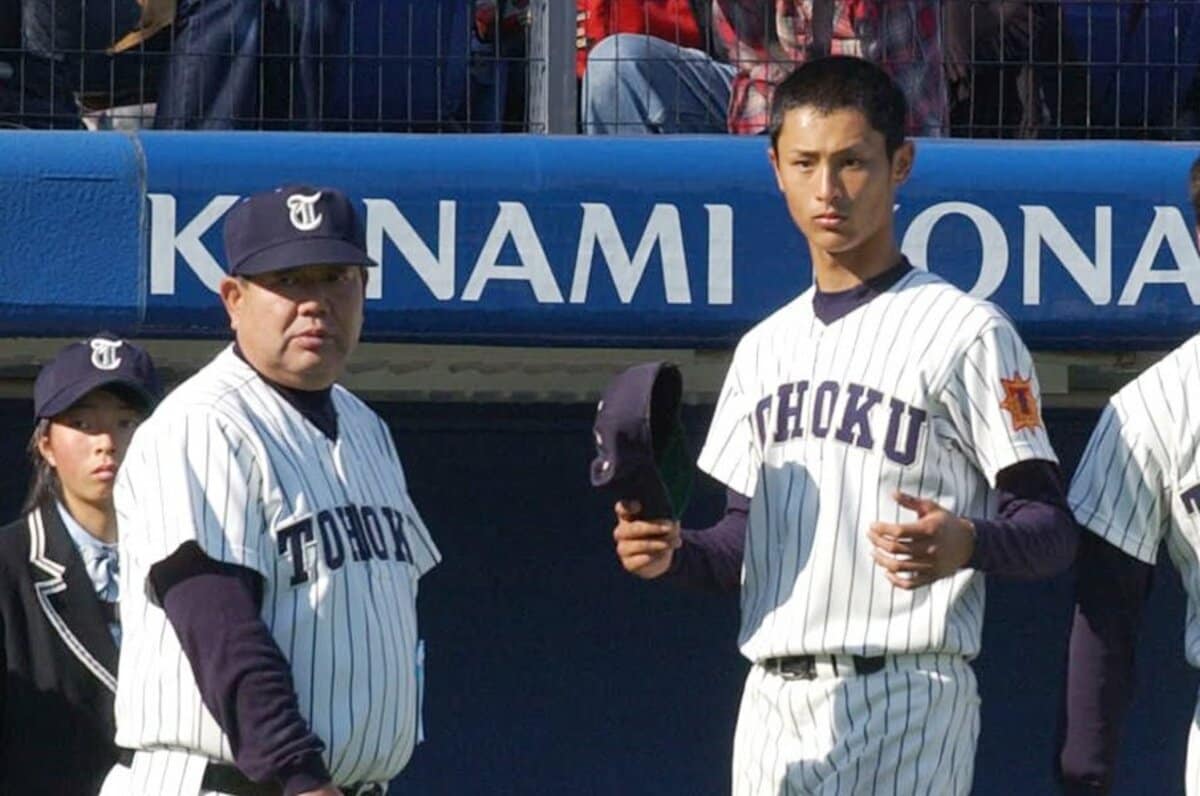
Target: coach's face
839 183
298 326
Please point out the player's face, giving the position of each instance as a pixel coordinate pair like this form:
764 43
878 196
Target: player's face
298 326
840 185
85 446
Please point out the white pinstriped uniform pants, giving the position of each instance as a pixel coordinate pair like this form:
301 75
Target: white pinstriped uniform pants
907 730
163 772
159 773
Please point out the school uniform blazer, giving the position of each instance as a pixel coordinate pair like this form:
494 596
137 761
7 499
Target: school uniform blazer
60 664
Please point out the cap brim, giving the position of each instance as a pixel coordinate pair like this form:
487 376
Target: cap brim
78 389
300 252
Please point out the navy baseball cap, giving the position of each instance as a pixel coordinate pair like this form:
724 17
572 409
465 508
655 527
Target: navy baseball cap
641 450
103 361
293 226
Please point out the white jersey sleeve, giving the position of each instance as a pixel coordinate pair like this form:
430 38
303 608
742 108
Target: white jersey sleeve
211 492
425 554
730 454
993 399
1118 491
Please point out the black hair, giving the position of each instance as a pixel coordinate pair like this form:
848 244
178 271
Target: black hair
44 481
840 82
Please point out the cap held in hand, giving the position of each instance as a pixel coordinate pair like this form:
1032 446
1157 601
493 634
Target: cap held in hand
641 450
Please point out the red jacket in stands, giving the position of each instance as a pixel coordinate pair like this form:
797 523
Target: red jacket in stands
672 20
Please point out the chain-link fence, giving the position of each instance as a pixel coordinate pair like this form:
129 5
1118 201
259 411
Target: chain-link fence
1073 68
972 68
361 65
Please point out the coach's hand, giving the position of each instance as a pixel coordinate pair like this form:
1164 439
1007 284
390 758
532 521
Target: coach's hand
324 790
915 554
645 547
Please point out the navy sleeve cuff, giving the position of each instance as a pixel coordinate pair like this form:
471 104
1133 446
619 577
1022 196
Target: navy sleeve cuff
711 559
979 554
1038 541
1034 535
307 773
243 677
1109 594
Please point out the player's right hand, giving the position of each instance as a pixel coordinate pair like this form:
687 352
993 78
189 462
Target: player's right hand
645 547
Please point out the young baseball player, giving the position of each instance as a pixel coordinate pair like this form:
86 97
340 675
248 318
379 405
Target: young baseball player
58 572
881 440
271 549
1137 485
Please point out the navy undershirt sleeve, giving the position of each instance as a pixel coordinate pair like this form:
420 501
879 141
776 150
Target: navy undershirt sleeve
242 675
711 559
1035 535
1110 591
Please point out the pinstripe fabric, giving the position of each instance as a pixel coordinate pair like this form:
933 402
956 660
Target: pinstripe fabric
1138 483
909 729
166 772
1138 486
328 524
822 423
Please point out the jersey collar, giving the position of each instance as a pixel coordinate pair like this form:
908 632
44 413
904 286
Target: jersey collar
315 406
833 306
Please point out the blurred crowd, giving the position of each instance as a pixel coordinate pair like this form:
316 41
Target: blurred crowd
378 65
975 68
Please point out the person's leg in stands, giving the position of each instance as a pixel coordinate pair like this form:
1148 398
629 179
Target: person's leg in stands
211 80
641 84
319 40
48 71
10 57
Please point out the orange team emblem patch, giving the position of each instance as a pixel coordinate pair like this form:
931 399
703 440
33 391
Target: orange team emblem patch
1020 403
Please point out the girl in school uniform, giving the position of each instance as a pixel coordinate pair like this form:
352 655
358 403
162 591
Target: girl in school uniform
58 572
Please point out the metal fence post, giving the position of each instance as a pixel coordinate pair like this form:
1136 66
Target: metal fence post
552 100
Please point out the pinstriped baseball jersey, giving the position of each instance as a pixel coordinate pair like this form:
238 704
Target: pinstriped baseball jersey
1138 482
922 389
329 524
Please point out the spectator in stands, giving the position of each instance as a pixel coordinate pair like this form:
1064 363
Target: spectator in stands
224 51
496 100
1008 71
640 84
416 65
39 62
